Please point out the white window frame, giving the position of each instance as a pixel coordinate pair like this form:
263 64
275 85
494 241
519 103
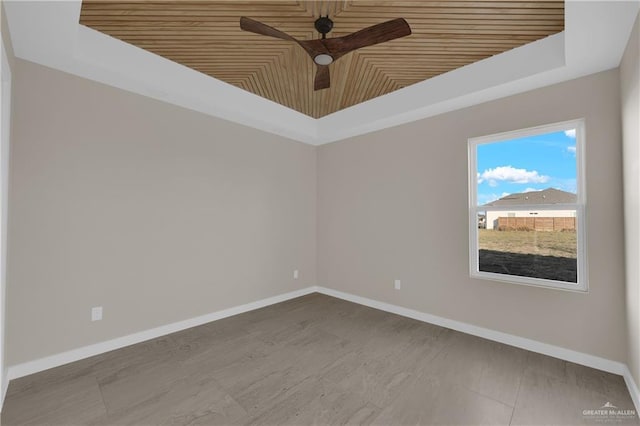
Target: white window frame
579 206
5 132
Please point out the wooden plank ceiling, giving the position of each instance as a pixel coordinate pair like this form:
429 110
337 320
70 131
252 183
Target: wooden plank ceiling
206 36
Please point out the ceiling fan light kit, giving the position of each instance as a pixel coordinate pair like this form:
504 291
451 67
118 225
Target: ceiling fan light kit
323 59
325 51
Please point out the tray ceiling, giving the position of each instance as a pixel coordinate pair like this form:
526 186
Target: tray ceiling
205 36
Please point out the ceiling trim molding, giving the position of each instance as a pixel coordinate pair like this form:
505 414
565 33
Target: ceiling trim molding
48 33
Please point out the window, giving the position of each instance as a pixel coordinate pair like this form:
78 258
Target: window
528 186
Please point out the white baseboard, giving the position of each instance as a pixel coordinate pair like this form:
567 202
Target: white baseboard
576 357
581 358
633 388
30 367
5 386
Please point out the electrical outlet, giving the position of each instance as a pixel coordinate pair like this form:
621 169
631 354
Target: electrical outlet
397 284
96 313
295 274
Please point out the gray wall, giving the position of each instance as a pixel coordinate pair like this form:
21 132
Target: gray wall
629 82
161 214
155 212
394 204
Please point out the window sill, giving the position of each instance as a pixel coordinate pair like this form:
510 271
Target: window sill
532 282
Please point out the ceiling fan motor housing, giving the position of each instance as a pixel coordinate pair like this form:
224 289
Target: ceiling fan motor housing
323 24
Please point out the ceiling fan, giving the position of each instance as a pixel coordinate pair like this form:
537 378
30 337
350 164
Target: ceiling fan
327 50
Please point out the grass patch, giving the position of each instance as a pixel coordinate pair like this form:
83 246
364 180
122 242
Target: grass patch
557 244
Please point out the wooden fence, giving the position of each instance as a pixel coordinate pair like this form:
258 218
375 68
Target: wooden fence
536 223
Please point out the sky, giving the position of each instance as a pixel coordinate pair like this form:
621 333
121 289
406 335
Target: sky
526 164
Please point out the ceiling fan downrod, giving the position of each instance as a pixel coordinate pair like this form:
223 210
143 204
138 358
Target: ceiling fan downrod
324 25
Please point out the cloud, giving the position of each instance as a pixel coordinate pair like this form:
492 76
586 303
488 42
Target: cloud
512 175
572 149
570 133
532 190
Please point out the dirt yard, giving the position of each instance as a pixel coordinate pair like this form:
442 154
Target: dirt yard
561 244
548 255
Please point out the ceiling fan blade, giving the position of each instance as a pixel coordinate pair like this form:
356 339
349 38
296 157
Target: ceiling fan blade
314 47
253 26
369 36
322 80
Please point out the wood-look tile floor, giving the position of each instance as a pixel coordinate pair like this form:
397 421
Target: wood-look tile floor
315 360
